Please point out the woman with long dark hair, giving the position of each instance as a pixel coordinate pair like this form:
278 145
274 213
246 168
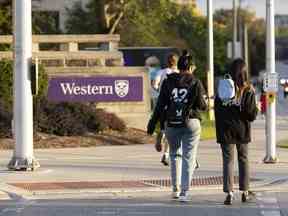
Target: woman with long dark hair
233 128
181 98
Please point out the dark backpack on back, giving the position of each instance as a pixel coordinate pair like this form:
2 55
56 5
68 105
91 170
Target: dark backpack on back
179 108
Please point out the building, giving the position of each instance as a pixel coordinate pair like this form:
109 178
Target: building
57 7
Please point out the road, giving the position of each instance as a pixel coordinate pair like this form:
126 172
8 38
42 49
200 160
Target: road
282 103
265 204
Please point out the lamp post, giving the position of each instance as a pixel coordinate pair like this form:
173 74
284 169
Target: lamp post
23 158
235 29
243 7
210 54
270 71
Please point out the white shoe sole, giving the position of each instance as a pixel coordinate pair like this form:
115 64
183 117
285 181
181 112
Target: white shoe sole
183 199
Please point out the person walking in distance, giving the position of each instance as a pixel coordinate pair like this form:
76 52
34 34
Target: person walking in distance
233 117
263 102
162 75
181 98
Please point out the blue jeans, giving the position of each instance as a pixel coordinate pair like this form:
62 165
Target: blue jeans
183 143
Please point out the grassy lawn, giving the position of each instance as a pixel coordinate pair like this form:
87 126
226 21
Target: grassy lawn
208 128
283 144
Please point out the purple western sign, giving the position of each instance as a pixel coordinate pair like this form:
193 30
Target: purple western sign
95 89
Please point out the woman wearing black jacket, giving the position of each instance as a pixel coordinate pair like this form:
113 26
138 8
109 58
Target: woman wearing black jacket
233 127
180 100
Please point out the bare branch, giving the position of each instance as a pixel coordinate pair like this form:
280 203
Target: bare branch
116 22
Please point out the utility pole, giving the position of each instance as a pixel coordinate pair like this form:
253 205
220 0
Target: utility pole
246 48
271 95
235 29
243 8
23 158
210 54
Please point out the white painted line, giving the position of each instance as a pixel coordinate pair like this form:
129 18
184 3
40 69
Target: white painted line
269 200
7 210
143 213
106 212
269 206
271 213
44 171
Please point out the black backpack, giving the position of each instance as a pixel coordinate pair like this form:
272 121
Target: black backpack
179 108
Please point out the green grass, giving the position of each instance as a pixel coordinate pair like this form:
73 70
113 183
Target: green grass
208 128
283 144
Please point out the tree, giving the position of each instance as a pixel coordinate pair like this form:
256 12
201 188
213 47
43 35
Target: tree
6 17
139 22
42 22
256 35
45 22
102 16
147 23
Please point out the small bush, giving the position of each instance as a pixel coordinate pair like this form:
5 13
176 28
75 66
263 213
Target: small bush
5 121
109 121
6 83
69 119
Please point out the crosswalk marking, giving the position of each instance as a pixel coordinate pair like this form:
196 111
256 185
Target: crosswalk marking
268 204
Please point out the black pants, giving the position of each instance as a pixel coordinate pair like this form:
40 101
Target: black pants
228 166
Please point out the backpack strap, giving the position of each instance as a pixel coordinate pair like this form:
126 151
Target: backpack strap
190 97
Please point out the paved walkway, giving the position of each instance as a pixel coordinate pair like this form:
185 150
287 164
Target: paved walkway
133 168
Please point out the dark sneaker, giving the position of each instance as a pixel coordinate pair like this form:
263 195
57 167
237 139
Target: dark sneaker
228 200
165 160
247 195
184 197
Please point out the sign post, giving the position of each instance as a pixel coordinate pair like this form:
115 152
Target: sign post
210 75
23 158
270 85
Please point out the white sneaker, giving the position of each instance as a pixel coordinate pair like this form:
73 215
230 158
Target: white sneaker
184 198
175 195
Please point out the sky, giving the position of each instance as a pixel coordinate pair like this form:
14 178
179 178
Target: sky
281 6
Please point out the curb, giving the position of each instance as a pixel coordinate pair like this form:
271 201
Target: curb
13 192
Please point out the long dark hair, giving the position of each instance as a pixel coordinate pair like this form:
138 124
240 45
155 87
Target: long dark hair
184 64
238 72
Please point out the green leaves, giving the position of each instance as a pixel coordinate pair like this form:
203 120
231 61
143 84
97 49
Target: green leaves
6 83
5 19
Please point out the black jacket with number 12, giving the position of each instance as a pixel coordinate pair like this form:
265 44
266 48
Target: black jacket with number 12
172 81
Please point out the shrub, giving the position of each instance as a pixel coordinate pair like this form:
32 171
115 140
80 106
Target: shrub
69 119
59 118
109 121
5 121
6 83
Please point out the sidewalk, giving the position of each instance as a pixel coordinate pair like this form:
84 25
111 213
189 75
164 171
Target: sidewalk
118 169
